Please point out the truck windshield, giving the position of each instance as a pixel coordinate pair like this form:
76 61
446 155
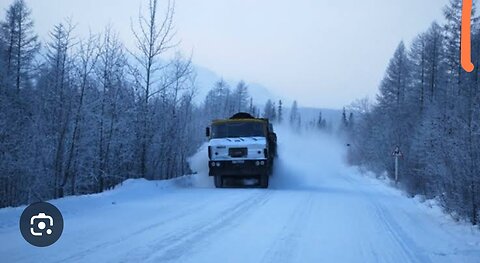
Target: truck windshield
238 129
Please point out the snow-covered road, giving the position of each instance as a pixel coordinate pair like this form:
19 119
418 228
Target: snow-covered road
317 210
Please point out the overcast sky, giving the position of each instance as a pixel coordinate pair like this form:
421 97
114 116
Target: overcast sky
323 53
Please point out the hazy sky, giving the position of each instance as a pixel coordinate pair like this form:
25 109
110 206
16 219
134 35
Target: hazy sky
324 53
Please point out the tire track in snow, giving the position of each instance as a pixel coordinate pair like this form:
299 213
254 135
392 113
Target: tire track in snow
408 247
404 242
185 241
184 213
285 246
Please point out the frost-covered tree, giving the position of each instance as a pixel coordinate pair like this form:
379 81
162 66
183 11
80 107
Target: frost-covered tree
321 122
218 102
270 111
154 35
57 91
294 114
280 112
20 45
110 112
240 97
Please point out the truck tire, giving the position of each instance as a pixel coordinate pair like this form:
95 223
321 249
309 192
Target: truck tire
218 181
264 181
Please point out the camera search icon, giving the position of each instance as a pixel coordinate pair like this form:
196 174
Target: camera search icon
41 224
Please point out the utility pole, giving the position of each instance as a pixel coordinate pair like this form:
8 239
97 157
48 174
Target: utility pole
396 153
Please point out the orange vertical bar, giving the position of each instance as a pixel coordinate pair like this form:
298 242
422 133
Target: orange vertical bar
465 40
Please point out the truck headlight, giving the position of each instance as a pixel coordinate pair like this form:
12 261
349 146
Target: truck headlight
218 164
257 163
262 163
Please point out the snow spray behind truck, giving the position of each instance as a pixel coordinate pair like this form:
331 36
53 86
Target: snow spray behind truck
241 147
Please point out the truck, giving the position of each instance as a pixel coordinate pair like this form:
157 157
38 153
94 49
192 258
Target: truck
241 146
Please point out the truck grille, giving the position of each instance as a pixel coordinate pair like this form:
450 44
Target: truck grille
237 152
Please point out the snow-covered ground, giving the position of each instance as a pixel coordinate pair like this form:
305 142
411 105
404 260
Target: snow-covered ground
316 210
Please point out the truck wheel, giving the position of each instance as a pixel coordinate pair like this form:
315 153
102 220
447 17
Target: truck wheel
263 181
218 181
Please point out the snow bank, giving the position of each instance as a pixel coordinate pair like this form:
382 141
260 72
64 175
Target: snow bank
432 207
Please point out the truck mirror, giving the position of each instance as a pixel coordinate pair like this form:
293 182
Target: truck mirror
207 132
